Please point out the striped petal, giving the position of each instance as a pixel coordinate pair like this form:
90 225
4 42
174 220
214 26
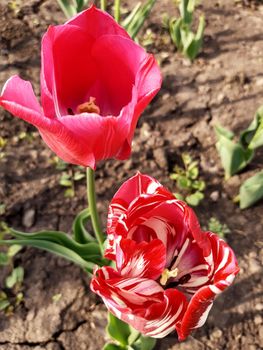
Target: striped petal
140 302
144 260
224 272
126 295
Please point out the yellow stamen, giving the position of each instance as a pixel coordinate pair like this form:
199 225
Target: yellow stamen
89 107
168 274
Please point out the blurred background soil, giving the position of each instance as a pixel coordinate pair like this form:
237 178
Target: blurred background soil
224 84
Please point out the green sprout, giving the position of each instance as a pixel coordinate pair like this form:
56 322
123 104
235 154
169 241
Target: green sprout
187 180
214 225
186 41
13 282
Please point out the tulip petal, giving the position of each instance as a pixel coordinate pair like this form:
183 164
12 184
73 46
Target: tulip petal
125 295
170 313
75 70
47 74
102 135
97 23
19 99
142 186
225 269
124 57
148 82
144 260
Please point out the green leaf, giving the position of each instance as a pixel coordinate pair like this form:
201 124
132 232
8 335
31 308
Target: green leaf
175 33
195 46
69 193
4 260
68 9
233 156
4 304
198 185
139 16
178 196
144 343
118 330
195 198
87 251
221 131
54 248
13 250
252 137
16 277
80 233
192 173
113 347
251 191
78 176
183 182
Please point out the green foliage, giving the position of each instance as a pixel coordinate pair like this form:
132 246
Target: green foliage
187 180
125 337
118 330
186 41
72 7
251 191
134 22
69 178
214 225
82 248
252 137
13 281
234 156
15 278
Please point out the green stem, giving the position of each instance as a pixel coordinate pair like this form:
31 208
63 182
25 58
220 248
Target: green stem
103 4
117 10
93 208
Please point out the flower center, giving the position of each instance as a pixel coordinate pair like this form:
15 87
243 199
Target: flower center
168 274
89 107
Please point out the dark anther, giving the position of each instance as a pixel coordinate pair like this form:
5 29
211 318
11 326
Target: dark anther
70 111
182 280
173 261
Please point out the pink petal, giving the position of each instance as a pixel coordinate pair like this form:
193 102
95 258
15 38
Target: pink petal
144 260
102 135
18 98
97 23
47 74
124 58
75 70
148 83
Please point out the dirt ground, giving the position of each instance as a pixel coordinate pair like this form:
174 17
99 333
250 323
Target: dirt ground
225 84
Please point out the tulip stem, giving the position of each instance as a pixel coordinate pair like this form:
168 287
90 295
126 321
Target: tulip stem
91 194
117 10
103 4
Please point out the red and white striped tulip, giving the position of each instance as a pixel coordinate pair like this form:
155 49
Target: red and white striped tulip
168 271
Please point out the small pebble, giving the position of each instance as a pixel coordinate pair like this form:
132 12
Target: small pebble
214 196
28 218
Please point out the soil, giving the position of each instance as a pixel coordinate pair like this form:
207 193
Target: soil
224 84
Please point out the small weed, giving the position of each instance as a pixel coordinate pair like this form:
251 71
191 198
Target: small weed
214 225
187 180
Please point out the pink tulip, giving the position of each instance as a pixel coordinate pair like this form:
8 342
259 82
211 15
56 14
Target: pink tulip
95 83
168 271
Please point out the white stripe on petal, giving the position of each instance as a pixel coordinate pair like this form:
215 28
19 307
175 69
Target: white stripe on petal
215 289
224 260
203 317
